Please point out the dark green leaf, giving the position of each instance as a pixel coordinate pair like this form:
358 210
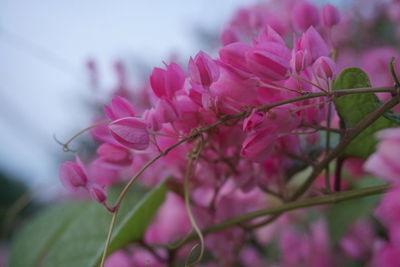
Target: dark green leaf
352 109
74 234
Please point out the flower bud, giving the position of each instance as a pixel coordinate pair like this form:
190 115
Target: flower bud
330 15
203 70
119 108
130 132
97 193
73 175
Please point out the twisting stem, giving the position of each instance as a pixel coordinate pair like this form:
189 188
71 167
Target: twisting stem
66 144
188 174
109 235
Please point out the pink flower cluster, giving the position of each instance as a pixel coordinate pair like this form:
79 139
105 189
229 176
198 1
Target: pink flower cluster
270 52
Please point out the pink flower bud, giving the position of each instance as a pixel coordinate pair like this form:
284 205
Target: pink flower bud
324 68
203 70
119 108
130 132
304 15
330 15
269 61
166 82
97 193
73 175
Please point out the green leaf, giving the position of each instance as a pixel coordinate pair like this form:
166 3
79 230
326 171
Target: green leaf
74 234
340 216
352 109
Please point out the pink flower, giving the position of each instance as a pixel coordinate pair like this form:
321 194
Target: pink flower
166 82
73 175
130 132
119 108
97 193
384 163
203 70
330 15
304 15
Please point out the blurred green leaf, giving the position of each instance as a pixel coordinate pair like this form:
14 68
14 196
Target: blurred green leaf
74 234
340 216
354 108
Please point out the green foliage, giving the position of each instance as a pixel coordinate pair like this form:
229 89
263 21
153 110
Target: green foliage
340 216
74 234
352 109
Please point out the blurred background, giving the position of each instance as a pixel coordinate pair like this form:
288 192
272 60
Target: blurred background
44 82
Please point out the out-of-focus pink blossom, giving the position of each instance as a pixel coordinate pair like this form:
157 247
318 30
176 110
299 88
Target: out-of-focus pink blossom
119 108
73 175
358 242
114 156
388 256
304 15
330 15
97 193
384 162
